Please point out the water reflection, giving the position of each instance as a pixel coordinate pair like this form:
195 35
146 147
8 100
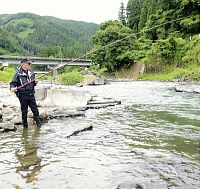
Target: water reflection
30 162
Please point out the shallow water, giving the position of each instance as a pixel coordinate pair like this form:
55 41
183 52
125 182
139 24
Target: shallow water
152 137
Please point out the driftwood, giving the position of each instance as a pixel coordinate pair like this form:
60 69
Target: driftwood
80 130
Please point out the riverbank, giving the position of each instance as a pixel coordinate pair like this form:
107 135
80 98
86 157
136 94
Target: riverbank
189 73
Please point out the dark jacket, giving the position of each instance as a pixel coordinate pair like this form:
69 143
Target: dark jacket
22 77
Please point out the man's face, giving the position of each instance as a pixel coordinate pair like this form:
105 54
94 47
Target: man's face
26 66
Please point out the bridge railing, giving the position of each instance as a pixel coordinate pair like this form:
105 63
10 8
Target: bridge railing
48 63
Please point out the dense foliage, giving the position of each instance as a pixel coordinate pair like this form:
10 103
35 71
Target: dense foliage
6 74
117 54
30 34
167 35
71 78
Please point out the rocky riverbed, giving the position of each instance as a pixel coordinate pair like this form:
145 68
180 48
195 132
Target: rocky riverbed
54 102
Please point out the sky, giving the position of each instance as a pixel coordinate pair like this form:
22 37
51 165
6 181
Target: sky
96 11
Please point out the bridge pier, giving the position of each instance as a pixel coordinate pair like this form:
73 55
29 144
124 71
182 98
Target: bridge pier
55 76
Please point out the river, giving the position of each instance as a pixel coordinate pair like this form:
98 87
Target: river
151 138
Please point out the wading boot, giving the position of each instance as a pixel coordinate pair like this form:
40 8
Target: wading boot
38 122
25 122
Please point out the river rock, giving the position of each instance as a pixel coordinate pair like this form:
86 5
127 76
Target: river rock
187 88
1 115
16 120
63 113
98 102
74 130
8 110
86 128
8 118
4 127
40 93
1 112
43 114
92 78
1 106
141 185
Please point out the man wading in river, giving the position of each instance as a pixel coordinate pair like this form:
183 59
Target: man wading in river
26 92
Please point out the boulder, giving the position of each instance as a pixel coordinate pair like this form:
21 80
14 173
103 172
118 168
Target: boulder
94 80
40 93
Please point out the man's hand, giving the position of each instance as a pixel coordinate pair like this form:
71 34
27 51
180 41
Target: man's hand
13 89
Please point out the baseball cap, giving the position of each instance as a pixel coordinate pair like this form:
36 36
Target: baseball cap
27 60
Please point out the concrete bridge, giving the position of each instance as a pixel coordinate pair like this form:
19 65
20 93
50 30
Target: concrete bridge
45 64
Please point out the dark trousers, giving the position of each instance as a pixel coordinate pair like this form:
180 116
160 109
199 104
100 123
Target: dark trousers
28 101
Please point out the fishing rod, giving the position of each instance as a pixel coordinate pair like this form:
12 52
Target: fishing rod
100 48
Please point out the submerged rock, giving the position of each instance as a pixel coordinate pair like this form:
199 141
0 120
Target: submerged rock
187 88
141 185
97 103
65 113
88 128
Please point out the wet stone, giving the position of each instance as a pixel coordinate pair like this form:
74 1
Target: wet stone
1 115
65 113
187 88
97 103
130 185
74 133
4 127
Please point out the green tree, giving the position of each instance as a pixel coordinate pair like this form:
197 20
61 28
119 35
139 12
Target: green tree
122 14
111 49
133 14
50 51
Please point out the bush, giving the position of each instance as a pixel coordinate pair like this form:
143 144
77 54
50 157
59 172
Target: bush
7 74
190 73
70 78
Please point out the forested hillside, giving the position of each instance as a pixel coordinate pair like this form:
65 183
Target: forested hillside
30 34
167 36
